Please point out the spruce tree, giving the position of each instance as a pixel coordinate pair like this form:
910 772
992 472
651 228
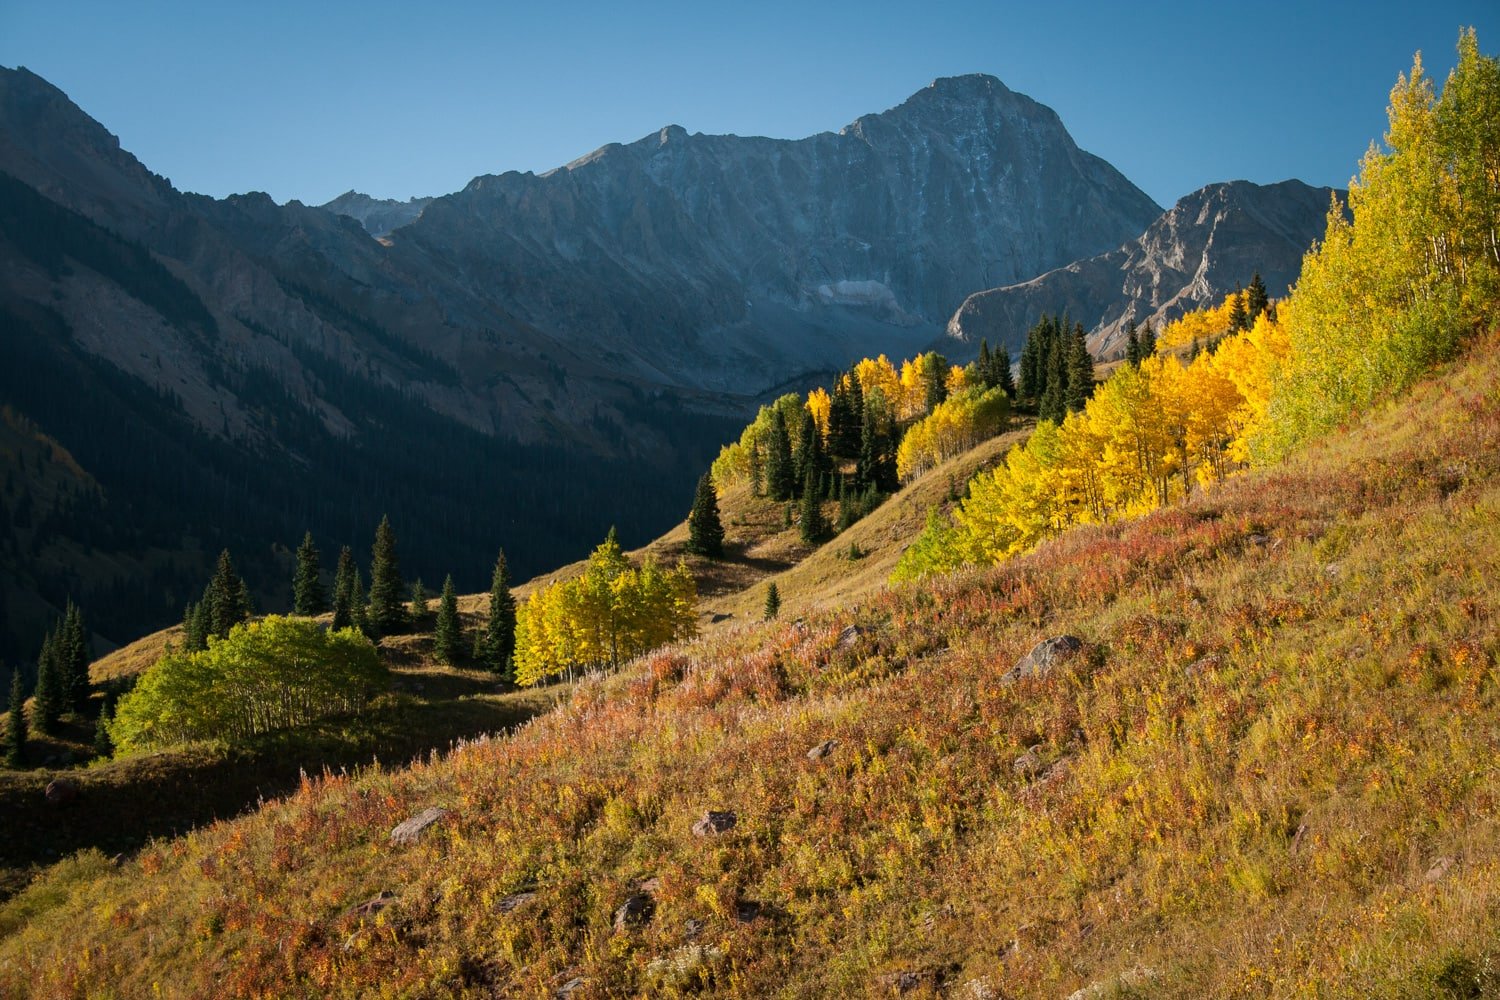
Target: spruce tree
447 638
47 705
386 615
780 484
1132 346
359 610
227 598
1148 342
1256 300
1053 405
1080 371
1029 387
705 532
757 470
773 601
498 641
74 658
15 749
1003 377
343 591
195 627
986 365
1238 314
419 606
935 379
805 461
811 523
308 595
103 745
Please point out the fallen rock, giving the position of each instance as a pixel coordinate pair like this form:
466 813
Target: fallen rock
61 791
715 821
1044 657
1137 978
371 906
850 636
514 901
570 987
822 750
1439 869
636 910
1028 764
411 830
906 981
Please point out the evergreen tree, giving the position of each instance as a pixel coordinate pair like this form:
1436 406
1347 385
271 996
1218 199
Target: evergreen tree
1003 377
780 484
935 379
1256 300
386 616
343 590
773 601
15 749
103 745
986 365
419 606
1053 405
839 419
1030 376
308 595
1132 346
195 627
806 461
757 470
73 658
359 609
1238 314
1080 380
447 638
497 643
812 525
48 702
227 598
705 532
1148 342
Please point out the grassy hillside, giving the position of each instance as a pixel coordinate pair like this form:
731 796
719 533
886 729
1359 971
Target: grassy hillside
1269 772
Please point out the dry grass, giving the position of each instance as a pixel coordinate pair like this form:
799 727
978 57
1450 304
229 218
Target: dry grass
1271 773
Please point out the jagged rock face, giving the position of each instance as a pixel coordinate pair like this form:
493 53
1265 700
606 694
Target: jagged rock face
377 215
735 261
1192 256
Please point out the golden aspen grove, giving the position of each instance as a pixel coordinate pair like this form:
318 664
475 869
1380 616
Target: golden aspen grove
1383 297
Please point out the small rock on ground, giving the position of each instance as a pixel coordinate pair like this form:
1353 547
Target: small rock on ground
410 831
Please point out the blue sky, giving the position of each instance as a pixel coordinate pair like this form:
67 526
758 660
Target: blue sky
396 99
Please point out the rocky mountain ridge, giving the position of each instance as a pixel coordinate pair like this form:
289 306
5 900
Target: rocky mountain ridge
1212 240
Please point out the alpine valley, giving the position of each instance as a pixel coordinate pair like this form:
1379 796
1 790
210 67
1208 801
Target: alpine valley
181 374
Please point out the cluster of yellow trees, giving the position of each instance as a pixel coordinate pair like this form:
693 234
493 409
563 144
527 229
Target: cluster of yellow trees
614 611
1378 301
907 394
954 426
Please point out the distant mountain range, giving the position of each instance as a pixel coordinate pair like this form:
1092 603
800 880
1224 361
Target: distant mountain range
1208 243
522 362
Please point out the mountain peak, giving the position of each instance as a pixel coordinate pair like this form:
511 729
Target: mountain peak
966 87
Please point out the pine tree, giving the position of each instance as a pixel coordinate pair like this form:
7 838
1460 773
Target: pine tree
73 659
1030 377
1053 405
1132 346
15 749
308 595
1080 371
1238 314
805 461
757 470
386 616
773 601
812 525
497 644
419 606
986 365
103 745
195 627
1256 300
448 636
343 590
359 609
227 598
780 484
1003 377
705 532
1148 342
48 703
935 377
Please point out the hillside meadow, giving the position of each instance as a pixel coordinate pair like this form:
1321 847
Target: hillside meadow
1269 771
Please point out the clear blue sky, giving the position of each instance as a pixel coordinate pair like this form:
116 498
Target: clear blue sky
395 99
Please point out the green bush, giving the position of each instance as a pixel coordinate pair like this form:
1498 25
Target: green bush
267 675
